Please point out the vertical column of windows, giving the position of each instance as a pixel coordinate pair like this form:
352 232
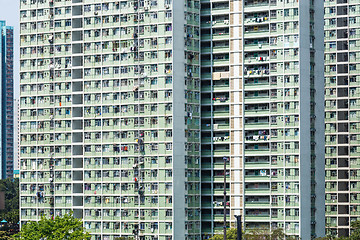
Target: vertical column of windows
216 110
45 113
341 95
271 115
192 119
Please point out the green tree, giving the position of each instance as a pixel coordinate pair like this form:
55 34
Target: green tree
11 189
4 236
254 234
278 234
355 227
231 234
354 235
59 228
257 234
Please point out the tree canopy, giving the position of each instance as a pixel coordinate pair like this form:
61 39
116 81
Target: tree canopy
254 234
278 234
59 228
4 236
231 234
11 189
355 233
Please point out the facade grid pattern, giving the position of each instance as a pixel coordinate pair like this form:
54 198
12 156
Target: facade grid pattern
342 64
130 108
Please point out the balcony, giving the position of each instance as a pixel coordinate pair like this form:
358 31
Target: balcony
252 6
256 18
258 71
253 175
256 31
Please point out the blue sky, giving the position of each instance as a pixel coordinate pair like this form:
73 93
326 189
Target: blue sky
9 11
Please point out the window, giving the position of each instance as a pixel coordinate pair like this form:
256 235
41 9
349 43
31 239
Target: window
168 146
169 213
68 23
154 160
168 14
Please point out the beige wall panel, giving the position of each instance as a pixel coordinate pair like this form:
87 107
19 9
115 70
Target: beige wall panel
232 135
232 83
232 71
232 28
233 18
233 42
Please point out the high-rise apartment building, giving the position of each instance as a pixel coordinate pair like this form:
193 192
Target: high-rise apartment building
261 87
16 134
342 81
110 123
7 98
110 109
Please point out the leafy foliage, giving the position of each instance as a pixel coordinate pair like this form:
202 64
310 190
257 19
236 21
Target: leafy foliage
4 236
355 234
11 211
254 234
59 228
278 234
231 234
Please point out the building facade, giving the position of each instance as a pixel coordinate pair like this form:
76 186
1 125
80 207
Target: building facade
342 64
7 96
110 123
260 95
109 116
16 134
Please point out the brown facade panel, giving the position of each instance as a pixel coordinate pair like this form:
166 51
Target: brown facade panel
234 34
233 17
232 72
233 59
232 84
232 135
